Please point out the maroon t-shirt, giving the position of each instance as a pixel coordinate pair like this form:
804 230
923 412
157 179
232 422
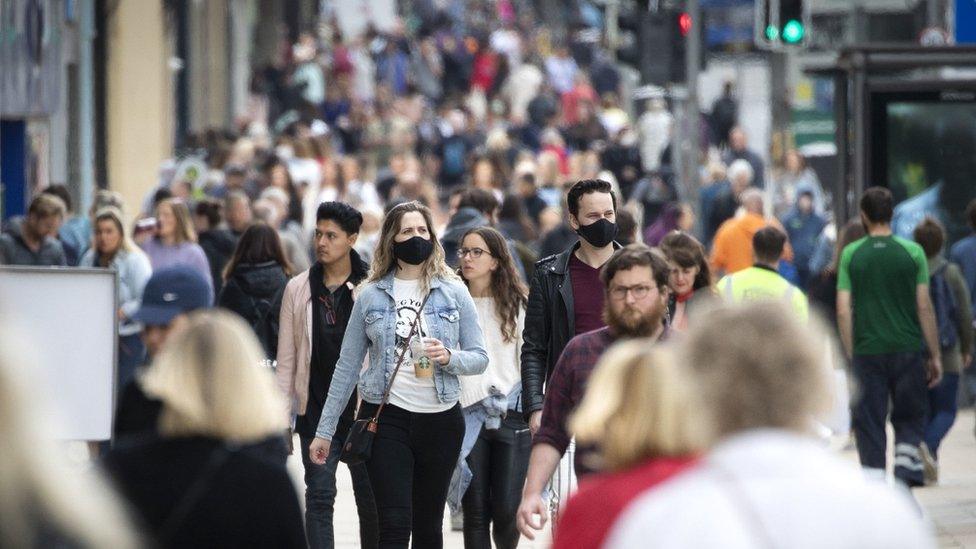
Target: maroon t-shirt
587 296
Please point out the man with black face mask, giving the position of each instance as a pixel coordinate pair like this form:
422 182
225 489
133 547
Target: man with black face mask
564 299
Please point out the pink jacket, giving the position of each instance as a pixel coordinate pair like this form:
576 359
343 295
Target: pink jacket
295 342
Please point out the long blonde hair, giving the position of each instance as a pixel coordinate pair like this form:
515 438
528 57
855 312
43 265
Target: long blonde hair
211 381
383 260
638 405
184 225
39 493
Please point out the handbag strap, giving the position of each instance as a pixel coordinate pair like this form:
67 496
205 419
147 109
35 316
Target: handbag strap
399 362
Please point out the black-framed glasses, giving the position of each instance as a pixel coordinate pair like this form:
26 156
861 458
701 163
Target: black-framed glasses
475 252
330 316
639 291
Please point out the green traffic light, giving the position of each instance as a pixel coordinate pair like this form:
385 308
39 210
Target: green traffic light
772 33
793 31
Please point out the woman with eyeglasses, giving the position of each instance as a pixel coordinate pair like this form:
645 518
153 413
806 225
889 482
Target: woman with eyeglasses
420 430
495 454
690 279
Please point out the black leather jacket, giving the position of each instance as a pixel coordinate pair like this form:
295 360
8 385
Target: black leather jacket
549 325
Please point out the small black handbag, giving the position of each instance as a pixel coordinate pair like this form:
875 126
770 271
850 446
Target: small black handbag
359 441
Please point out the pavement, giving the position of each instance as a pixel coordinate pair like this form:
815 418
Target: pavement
950 506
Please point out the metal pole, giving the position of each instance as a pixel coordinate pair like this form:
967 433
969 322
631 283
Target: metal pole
86 106
613 33
690 142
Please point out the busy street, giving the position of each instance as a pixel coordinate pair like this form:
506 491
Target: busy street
488 273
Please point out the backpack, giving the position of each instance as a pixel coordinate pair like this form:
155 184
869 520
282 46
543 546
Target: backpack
944 303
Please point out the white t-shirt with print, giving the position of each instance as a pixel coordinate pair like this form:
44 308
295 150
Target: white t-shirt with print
410 392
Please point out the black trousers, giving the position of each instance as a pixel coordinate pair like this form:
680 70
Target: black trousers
410 471
498 462
901 379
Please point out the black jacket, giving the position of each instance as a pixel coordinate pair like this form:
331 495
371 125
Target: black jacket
202 492
549 325
218 245
252 291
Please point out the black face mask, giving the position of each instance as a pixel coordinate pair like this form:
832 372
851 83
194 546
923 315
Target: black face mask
414 251
598 234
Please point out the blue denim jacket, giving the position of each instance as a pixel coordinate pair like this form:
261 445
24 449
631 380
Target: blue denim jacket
450 316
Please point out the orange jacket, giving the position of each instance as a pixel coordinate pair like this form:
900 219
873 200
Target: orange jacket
732 247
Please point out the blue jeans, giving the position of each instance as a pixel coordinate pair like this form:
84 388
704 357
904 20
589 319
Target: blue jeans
942 411
320 494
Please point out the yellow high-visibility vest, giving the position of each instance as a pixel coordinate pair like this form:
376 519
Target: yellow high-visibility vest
758 284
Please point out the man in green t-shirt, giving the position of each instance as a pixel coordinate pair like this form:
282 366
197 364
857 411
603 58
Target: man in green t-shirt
886 280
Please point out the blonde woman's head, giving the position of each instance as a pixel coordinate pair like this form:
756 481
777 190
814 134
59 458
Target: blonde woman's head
173 218
212 381
757 366
638 405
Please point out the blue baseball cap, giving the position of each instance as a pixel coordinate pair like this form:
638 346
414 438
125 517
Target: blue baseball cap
171 292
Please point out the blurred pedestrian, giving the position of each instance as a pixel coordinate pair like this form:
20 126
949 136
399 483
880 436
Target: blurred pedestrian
170 294
690 278
495 451
640 410
33 242
765 474
803 226
822 289
635 285
421 428
739 150
203 481
175 241
74 231
762 281
254 278
216 242
676 216
732 248
113 249
797 179
315 312
724 115
886 321
954 320
963 253
44 500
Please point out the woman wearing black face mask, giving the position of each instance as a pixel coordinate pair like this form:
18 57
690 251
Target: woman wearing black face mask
418 440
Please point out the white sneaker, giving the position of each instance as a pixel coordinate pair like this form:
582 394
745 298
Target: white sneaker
930 465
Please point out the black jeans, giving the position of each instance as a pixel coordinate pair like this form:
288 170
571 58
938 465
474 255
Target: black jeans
320 495
410 470
498 462
900 377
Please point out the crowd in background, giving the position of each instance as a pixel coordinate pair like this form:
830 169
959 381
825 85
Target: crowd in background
513 144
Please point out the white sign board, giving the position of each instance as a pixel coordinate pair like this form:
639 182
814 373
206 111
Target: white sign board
67 316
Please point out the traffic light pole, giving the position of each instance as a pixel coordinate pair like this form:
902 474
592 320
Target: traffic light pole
689 146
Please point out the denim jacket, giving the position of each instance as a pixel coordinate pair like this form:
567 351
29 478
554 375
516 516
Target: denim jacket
451 317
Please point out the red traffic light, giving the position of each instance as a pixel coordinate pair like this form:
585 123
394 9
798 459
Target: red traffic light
684 24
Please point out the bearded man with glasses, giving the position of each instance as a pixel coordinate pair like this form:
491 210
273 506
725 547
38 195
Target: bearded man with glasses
635 281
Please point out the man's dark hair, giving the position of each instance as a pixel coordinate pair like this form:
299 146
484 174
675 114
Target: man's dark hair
482 200
930 236
636 255
587 186
210 209
527 177
61 192
877 205
768 244
343 214
971 214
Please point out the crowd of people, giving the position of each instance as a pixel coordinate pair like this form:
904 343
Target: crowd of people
443 252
